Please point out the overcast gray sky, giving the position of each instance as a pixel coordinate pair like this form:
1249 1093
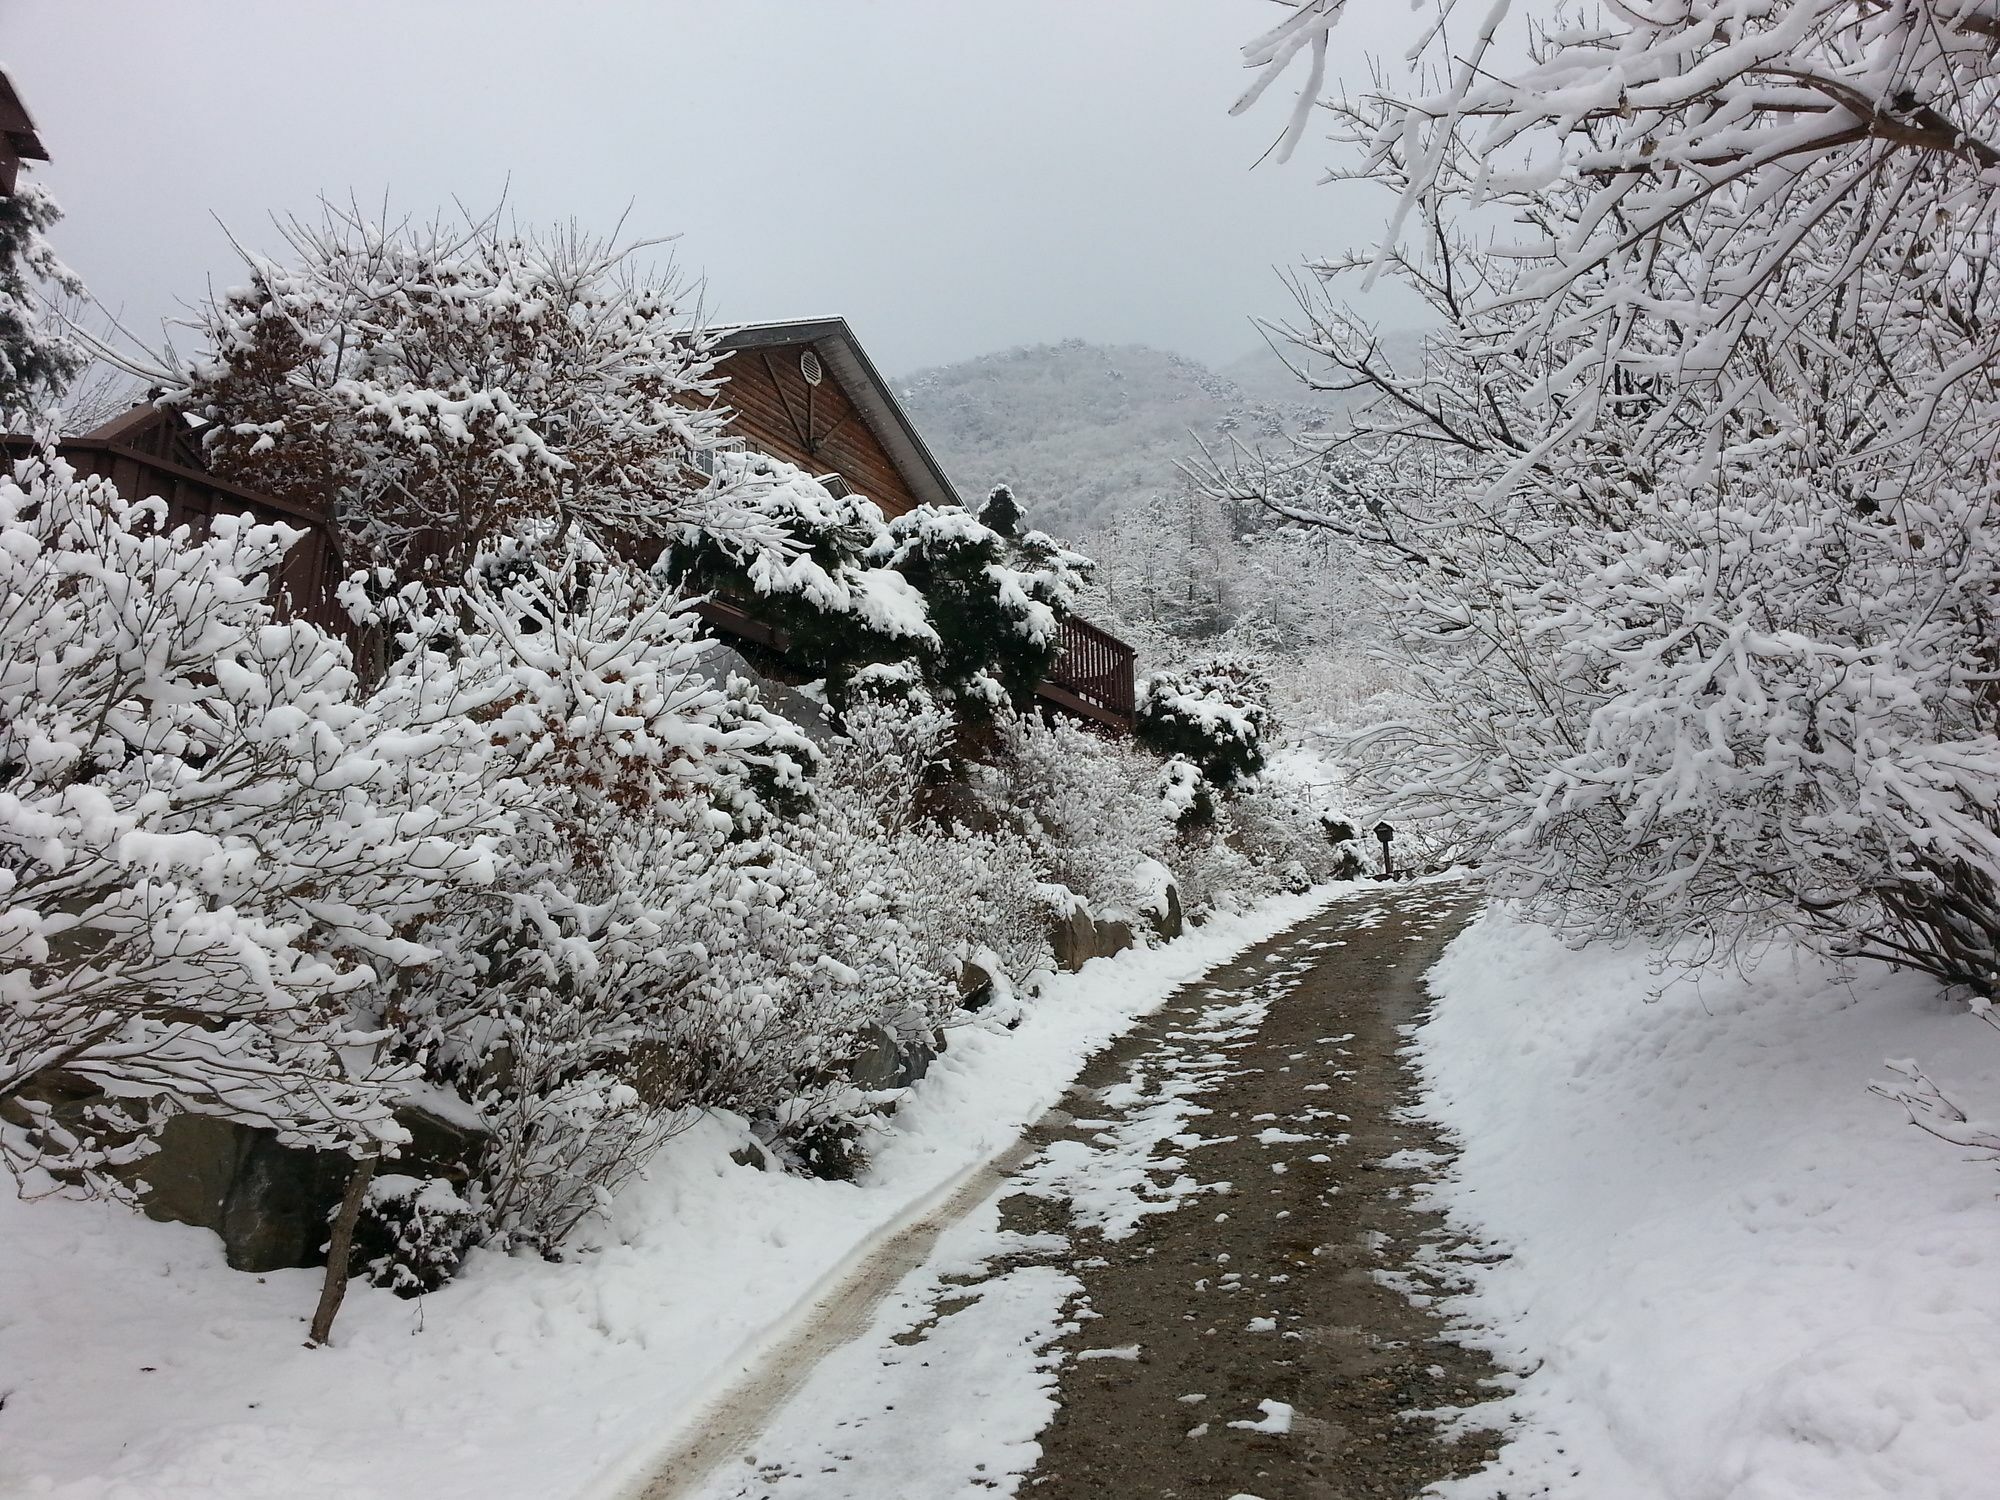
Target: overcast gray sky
954 177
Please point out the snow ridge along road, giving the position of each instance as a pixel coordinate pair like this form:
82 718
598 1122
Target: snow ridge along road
1134 1306
836 1313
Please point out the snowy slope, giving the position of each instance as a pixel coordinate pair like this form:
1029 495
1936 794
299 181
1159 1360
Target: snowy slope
1733 1271
135 1366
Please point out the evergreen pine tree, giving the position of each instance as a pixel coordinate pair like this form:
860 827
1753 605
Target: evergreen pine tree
36 361
1001 513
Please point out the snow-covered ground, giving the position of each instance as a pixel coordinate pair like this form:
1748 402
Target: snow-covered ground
135 1366
1733 1272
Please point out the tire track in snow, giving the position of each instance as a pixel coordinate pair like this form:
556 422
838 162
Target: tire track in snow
772 1374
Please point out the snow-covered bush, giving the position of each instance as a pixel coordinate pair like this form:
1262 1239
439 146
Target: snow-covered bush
995 608
945 890
840 611
446 386
632 959
413 1233
873 605
212 844
1001 512
1214 714
1087 809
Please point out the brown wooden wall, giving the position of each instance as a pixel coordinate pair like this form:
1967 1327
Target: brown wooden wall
770 397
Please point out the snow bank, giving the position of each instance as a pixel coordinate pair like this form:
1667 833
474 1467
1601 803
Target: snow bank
136 1366
1733 1272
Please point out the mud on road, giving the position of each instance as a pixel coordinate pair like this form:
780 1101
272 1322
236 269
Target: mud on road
1234 1185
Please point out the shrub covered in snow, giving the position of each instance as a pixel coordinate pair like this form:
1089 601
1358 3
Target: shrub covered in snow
809 570
995 614
1085 807
877 606
450 384
213 844
1215 715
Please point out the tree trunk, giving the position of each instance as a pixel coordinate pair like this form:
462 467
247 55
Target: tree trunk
339 1249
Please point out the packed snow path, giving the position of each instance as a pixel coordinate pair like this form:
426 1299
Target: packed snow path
1206 1277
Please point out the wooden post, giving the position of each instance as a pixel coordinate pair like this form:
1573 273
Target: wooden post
1385 833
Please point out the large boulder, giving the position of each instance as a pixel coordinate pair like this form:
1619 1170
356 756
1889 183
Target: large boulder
1079 937
718 663
975 985
270 1203
1073 939
886 1061
1114 936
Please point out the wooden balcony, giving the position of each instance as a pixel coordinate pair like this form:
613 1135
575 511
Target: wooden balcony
1092 677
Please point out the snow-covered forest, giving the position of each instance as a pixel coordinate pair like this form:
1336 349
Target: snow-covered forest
551 946
1099 441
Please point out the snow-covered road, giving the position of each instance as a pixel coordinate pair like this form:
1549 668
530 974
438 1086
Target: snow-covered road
1192 1281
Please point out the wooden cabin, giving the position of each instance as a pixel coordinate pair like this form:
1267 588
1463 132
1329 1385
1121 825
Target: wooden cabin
805 391
801 391
18 141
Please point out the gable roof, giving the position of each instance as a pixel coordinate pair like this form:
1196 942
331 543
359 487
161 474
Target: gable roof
842 352
16 126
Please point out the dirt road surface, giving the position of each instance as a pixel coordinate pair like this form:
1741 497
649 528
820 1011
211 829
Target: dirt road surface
1208 1275
1306 1282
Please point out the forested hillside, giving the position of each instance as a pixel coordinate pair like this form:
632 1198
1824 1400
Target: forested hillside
1091 438
1082 430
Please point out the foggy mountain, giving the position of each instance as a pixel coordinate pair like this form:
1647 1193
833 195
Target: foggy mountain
1084 430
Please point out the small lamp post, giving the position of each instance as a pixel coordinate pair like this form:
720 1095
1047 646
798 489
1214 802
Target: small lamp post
1385 833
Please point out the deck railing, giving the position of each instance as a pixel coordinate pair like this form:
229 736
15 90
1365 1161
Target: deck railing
1092 675
311 570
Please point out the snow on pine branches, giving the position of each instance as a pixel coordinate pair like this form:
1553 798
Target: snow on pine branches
37 359
934 596
1215 715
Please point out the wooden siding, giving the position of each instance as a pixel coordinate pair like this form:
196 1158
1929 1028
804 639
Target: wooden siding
311 570
817 428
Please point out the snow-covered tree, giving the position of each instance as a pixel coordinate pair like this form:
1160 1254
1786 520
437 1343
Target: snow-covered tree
212 844
841 609
618 970
444 386
1001 512
995 608
1215 715
37 359
1689 501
